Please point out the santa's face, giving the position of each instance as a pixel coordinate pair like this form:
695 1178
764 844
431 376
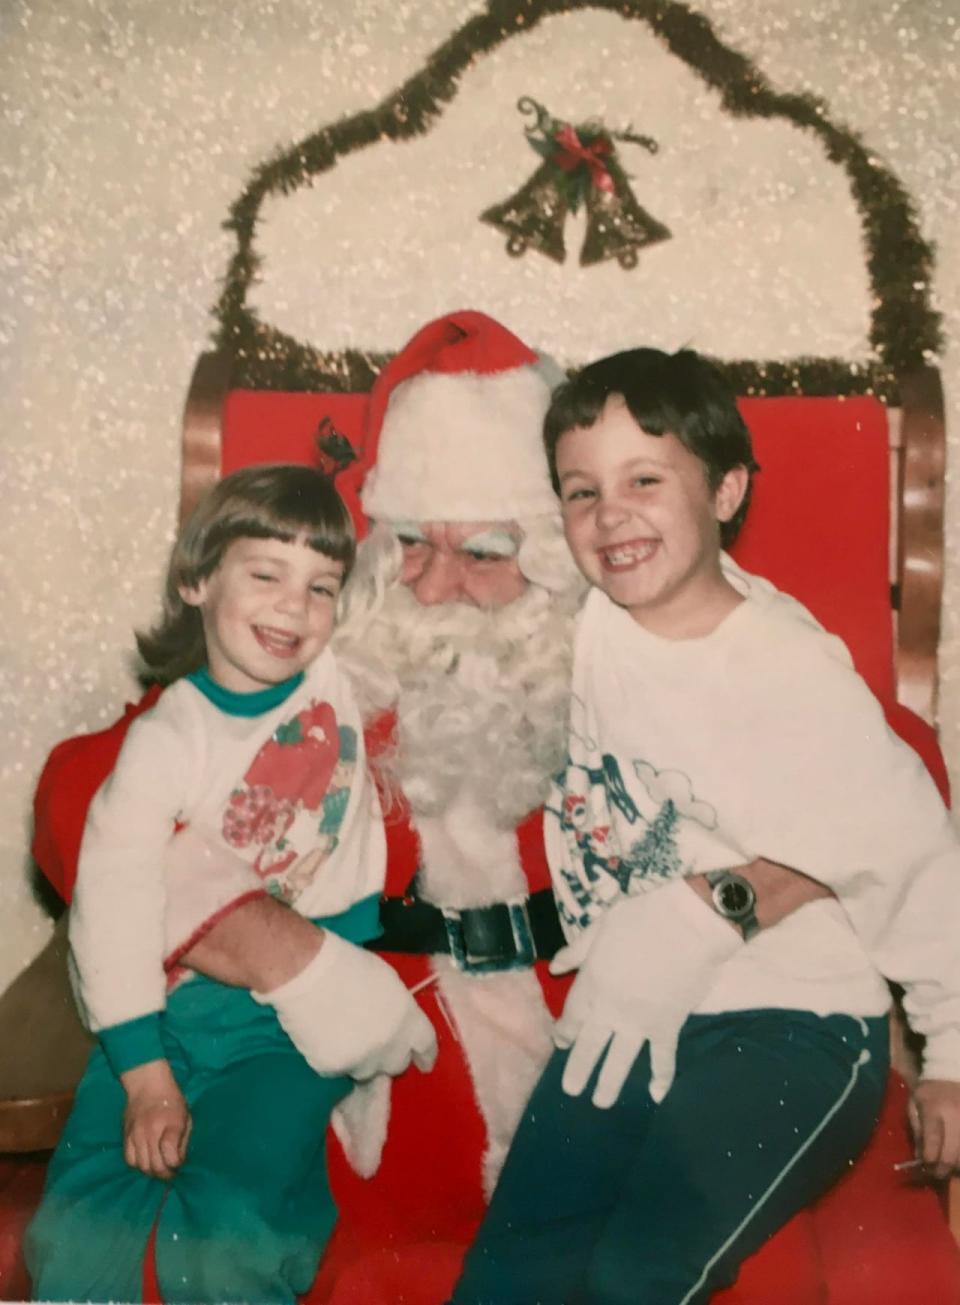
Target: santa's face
473 562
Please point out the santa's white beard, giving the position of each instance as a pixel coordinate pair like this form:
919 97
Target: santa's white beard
482 699
482 703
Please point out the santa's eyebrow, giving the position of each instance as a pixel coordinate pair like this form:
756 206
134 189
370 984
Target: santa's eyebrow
495 540
409 530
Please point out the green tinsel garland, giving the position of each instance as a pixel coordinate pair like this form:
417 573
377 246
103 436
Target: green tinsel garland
905 330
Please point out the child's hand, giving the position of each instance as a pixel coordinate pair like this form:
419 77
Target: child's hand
935 1120
156 1122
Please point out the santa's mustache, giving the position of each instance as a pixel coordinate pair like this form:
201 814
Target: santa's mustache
443 638
480 698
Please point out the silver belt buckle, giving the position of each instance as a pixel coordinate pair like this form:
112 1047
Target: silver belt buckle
522 933
523 945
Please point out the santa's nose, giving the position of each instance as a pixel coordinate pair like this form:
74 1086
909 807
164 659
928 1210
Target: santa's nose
439 581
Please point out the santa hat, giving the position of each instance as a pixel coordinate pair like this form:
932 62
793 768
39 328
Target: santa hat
454 427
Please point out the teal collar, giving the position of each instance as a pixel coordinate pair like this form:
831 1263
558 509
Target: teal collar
243 704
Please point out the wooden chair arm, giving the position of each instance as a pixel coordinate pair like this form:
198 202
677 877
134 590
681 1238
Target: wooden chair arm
919 563
202 425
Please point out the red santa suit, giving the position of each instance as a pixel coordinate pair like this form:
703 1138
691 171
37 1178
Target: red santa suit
405 1229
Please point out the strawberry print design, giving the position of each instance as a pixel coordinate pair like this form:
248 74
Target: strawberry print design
255 816
297 762
302 770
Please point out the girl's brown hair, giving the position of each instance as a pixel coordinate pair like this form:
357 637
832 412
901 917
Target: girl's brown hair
275 501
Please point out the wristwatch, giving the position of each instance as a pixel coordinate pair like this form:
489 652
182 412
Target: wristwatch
734 899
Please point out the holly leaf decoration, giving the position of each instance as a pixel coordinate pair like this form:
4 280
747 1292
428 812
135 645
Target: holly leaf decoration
290 733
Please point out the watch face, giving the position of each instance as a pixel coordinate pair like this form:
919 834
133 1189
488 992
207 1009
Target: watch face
736 896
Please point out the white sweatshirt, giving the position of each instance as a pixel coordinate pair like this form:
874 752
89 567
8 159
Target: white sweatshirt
761 740
283 792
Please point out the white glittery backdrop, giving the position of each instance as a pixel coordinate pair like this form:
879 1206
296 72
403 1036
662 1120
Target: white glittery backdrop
127 129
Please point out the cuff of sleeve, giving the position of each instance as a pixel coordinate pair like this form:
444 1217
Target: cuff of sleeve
941 1055
723 938
132 1043
176 954
315 971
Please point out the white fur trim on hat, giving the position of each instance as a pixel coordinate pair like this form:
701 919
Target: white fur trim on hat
463 447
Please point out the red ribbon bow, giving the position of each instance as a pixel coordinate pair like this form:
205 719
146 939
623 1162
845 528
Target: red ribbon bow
572 152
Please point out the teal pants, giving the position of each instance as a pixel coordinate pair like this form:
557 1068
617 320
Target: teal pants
247 1215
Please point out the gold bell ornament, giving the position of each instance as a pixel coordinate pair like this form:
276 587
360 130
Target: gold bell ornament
617 226
580 166
534 217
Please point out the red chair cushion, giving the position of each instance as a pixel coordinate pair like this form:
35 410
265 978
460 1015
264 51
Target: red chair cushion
273 426
819 523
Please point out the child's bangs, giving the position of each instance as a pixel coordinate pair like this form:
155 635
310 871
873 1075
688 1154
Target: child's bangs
334 538
283 501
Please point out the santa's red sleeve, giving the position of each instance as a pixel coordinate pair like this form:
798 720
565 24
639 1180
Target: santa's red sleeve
73 772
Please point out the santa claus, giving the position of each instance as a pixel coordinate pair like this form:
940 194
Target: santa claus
465 595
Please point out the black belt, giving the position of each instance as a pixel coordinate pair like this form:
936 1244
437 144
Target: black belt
481 939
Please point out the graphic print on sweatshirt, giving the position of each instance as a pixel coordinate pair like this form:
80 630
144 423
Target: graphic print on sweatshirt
616 826
288 809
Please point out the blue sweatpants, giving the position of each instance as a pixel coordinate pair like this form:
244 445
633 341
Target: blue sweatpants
246 1216
648 1204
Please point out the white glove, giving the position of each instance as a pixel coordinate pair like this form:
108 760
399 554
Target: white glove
348 1013
644 966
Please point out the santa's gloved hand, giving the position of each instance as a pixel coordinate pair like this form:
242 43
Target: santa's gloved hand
348 1013
644 966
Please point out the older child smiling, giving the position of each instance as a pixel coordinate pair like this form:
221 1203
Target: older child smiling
712 721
